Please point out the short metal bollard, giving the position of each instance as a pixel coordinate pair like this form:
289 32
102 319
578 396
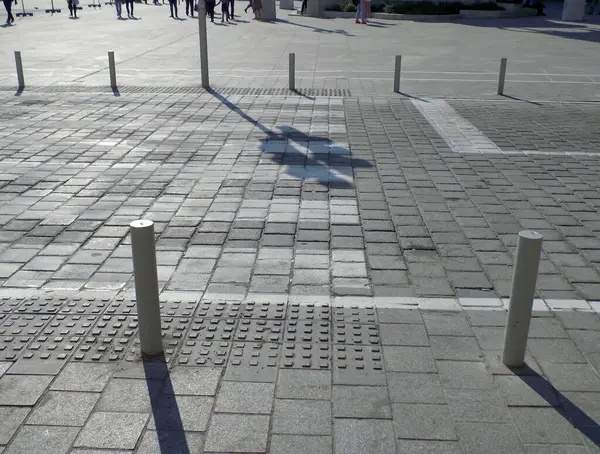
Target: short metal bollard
292 71
397 69
112 70
203 45
146 286
502 76
20 76
529 248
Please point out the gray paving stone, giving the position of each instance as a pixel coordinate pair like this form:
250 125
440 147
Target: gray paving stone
493 438
571 377
582 408
455 348
4 366
555 350
176 413
428 447
241 397
423 422
112 430
154 442
369 402
393 315
10 420
60 408
527 390
237 433
447 324
555 449
302 417
300 444
464 374
304 384
408 359
415 388
84 377
403 334
32 439
543 425
586 340
356 436
138 392
194 381
22 389
476 405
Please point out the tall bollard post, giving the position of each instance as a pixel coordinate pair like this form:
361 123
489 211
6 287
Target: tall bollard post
397 69
146 286
20 76
529 248
292 71
112 70
502 76
203 44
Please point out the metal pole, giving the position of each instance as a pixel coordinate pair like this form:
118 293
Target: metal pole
146 286
292 71
502 76
529 248
20 77
397 68
112 69
203 43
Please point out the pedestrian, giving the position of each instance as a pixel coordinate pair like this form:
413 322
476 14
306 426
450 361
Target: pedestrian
232 4
189 8
224 10
303 8
248 7
210 9
8 5
173 7
129 3
256 7
72 5
591 6
360 12
119 8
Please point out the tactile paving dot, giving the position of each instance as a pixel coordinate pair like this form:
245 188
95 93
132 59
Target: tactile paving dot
204 353
251 330
308 331
23 324
358 365
219 309
253 361
122 305
11 347
273 311
214 329
10 304
306 356
355 314
173 333
178 308
352 333
109 339
60 337
89 305
46 305
298 311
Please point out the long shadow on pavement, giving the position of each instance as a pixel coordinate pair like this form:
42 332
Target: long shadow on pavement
167 418
567 409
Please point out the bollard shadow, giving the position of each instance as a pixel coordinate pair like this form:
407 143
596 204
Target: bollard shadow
338 31
504 95
19 91
116 91
406 95
563 406
165 411
299 93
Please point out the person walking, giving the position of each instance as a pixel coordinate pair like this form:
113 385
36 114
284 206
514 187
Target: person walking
303 8
256 7
232 4
360 12
224 10
248 7
129 6
72 5
9 16
189 8
119 8
173 8
210 9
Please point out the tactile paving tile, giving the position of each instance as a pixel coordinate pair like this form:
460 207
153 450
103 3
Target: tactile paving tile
251 330
272 311
358 365
213 329
306 356
204 353
309 312
173 331
60 337
178 307
308 331
85 305
109 339
219 309
122 305
355 314
354 333
9 304
44 305
11 347
253 361
23 324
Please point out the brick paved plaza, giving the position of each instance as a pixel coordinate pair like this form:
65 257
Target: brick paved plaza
334 264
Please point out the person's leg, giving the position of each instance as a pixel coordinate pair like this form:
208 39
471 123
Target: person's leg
303 7
118 7
127 8
359 8
232 4
171 2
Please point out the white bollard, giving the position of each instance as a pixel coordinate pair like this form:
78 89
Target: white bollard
20 77
146 286
397 68
112 70
502 76
292 71
203 44
529 248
